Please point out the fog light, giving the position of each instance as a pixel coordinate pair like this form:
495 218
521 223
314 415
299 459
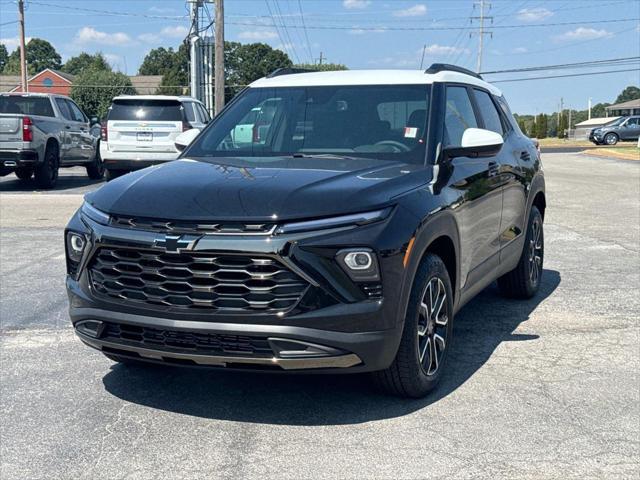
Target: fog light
358 260
360 264
92 328
76 244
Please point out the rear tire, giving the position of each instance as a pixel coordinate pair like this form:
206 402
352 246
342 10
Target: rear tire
95 170
524 281
113 174
46 174
24 173
428 327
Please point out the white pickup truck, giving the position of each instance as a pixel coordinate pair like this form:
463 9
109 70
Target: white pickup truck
40 133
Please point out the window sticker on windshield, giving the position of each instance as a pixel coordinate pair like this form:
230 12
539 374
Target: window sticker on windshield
410 132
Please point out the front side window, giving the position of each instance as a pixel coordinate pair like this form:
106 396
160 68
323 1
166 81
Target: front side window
64 108
459 115
489 112
386 122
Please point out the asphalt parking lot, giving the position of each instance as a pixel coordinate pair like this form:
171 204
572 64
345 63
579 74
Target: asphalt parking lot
545 388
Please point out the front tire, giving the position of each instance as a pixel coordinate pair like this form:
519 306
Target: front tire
426 337
611 139
524 281
24 173
46 174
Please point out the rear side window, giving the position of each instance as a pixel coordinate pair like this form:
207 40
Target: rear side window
489 112
26 105
168 110
459 115
64 108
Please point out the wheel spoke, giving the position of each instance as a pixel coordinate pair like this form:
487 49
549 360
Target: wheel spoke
439 339
427 344
433 360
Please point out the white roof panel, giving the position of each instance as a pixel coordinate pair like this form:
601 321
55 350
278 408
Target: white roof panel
369 77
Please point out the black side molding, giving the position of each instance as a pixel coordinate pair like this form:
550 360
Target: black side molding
441 67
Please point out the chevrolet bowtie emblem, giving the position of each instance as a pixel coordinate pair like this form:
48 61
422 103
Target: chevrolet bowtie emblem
176 243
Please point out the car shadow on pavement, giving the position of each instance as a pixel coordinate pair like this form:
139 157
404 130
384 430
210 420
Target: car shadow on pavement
481 326
12 184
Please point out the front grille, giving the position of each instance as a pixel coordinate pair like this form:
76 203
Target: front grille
201 343
195 281
182 227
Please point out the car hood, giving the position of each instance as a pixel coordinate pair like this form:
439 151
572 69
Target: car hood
263 188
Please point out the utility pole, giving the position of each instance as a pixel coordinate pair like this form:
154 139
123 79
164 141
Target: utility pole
424 49
589 108
481 32
218 68
321 58
194 57
23 59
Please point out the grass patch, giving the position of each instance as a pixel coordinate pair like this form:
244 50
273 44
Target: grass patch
625 153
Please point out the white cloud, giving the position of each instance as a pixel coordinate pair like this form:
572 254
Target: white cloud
520 50
582 33
355 4
149 38
12 42
415 11
114 60
91 35
533 14
155 9
436 49
258 35
179 31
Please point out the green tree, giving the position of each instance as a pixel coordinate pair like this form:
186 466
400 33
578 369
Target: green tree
629 93
94 89
78 64
40 55
4 56
325 67
541 126
245 63
563 125
172 64
522 126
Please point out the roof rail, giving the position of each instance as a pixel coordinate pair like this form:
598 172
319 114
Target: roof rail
441 67
288 71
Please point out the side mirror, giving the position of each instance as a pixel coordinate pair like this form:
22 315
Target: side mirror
94 120
183 140
476 142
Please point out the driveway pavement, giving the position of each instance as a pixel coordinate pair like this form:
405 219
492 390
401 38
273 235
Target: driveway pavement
545 388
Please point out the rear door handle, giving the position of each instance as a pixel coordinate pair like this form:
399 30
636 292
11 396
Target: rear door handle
493 169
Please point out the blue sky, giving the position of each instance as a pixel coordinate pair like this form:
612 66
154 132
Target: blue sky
369 34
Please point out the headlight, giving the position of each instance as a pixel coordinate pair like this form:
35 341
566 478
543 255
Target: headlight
333 222
94 214
76 243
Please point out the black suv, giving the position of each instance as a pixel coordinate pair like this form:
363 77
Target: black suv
341 235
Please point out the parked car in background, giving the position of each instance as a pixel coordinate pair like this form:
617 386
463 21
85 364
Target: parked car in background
140 130
372 207
622 128
39 133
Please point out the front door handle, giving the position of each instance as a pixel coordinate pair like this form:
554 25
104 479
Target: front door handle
524 155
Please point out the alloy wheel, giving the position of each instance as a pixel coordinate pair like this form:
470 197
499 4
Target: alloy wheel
432 326
535 251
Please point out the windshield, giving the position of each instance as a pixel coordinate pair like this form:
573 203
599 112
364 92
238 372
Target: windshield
616 122
146 110
385 122
26 105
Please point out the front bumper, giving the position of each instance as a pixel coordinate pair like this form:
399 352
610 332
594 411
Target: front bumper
349 331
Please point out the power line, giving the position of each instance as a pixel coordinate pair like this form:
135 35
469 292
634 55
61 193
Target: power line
306 33
564 76
592 63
